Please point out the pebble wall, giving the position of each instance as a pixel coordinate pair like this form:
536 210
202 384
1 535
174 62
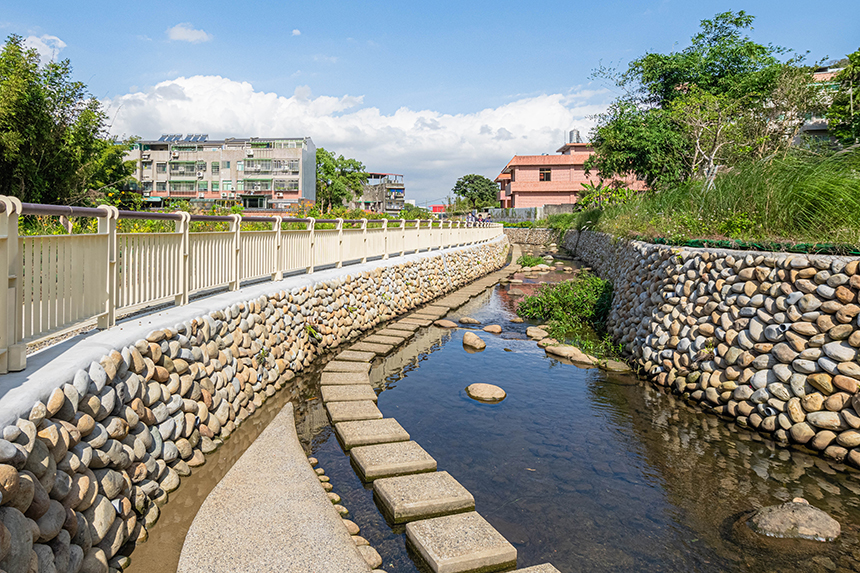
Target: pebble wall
530 236
770 339
83 478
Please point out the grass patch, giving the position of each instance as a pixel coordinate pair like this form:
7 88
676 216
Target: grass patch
576 311
799 201
529 261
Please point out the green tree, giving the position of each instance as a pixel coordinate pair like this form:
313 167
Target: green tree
477 189
53 133
413 212
338 179
843 115
723 99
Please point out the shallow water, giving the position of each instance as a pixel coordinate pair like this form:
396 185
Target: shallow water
591 472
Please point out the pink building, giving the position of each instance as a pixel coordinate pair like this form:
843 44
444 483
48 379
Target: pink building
537 180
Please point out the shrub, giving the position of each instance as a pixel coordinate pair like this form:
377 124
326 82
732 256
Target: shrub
529 261
584 300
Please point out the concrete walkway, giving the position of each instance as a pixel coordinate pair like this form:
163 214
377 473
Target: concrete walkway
269 514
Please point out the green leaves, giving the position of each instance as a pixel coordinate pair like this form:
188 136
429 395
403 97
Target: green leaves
477 189
843 116
338 179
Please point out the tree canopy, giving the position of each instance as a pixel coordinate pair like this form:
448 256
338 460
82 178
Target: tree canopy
338 179
54 145
722 99
476 189
843 116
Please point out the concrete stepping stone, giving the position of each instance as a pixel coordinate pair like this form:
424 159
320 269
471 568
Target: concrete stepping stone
380 339
402 335
351 411
417 320
420 496
434 314
344 378
543 568
378 349
460 543
346 366
369 432
402 327
348 393
356 356
388 460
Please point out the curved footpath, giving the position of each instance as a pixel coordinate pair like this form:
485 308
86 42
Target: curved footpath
280 519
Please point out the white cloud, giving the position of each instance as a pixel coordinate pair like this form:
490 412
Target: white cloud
186 33
297 32
325 59
47 46
432 149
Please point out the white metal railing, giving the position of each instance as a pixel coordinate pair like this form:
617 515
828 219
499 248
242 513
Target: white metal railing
59 282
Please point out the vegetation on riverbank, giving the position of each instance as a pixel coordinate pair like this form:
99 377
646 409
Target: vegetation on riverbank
575 311
529 261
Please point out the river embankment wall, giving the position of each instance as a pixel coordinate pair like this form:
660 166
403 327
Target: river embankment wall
769 339
100 429
524 236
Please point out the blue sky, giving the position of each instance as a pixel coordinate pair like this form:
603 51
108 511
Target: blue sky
433 90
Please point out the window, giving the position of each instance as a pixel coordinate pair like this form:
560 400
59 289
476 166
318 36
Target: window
240 185
161 167
203 186
545 174
182 186
161 185
146 166
216 186
201 166
226 185
147 186
240 166
226 165
216 168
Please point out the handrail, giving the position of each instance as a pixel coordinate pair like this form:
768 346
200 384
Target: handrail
58 282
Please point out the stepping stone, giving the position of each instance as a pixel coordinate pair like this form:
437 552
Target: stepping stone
356 356
543 568
344 378
429 313
349 393
387 460
378 349
460 543
417 320
346 366
351 411
369 432
395 333
380 339
420 496
399 326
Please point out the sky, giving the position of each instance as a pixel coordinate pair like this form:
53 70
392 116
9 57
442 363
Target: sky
432 90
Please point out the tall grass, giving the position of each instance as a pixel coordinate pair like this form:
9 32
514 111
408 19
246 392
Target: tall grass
798 197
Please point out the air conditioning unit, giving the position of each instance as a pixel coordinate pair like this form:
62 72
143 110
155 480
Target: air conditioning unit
145 156
199 175
201 195
232 195
175 155
280 195
223 195
249 152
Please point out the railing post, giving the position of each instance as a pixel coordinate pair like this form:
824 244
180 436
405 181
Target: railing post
403 236
236 229
312 247
417 235
184 273
364 240
339 243
13 356
385 239
107 227
458 233
278 273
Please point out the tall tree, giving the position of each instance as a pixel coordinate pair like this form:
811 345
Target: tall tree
338 179
476 189
843 115
722 99
53 133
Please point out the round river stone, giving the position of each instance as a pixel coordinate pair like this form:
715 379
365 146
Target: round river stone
485 393
795 520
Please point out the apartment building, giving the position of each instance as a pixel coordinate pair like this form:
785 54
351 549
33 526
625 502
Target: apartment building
260 172
383 193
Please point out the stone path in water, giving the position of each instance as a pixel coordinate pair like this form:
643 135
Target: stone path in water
441 522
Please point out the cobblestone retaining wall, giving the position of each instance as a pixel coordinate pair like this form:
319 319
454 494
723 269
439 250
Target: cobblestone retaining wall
770 339
530 236
84 476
